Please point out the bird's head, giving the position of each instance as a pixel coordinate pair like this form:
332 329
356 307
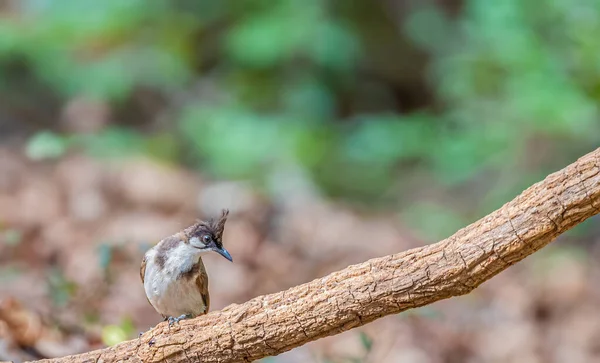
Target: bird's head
207 236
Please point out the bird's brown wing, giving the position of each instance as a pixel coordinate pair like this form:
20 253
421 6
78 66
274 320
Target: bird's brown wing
142 275
202 283
143 269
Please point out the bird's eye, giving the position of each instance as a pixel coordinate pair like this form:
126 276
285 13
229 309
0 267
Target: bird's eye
206 238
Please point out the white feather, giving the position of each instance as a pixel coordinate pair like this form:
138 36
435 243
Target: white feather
169 295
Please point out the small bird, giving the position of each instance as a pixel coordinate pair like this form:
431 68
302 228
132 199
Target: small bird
173 274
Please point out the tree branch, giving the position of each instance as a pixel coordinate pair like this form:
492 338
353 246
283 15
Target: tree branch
272 324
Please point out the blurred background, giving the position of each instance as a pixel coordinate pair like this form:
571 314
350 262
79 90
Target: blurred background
334 131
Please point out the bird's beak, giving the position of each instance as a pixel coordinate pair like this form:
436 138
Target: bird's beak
223 252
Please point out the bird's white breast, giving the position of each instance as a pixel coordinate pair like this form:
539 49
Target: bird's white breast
167 291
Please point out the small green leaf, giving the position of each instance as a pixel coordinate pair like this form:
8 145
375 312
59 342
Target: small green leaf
46 145
113 334
127 326
366 341
105 255
61 289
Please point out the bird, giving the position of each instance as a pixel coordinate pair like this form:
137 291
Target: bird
174 278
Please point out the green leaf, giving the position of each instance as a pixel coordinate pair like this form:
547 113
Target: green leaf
104 255
366 341
61 289
46 145
113 334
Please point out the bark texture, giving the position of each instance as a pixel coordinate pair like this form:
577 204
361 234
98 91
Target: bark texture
272 324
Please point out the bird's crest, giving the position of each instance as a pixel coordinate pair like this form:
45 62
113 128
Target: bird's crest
215 227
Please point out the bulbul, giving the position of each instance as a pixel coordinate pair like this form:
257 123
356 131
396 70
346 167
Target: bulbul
173 274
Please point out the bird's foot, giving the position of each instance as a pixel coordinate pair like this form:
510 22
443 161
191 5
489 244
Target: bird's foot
173 320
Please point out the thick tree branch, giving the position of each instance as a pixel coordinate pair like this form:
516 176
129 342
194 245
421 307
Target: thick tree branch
272 324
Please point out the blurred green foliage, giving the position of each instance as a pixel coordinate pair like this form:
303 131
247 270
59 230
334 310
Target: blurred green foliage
366 341
508 90
60 289
115 334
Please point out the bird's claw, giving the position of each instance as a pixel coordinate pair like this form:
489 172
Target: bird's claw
173 320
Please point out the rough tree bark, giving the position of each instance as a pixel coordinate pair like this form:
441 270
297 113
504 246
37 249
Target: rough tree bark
272 324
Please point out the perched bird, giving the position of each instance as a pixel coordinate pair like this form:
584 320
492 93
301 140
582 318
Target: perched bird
173 274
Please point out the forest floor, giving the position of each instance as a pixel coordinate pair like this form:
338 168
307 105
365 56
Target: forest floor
73 233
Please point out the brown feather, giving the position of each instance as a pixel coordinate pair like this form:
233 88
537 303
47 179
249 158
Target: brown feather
143 274
219 225
198 273
202 283
143 269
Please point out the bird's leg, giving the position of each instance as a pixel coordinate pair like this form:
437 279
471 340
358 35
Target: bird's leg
173 320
